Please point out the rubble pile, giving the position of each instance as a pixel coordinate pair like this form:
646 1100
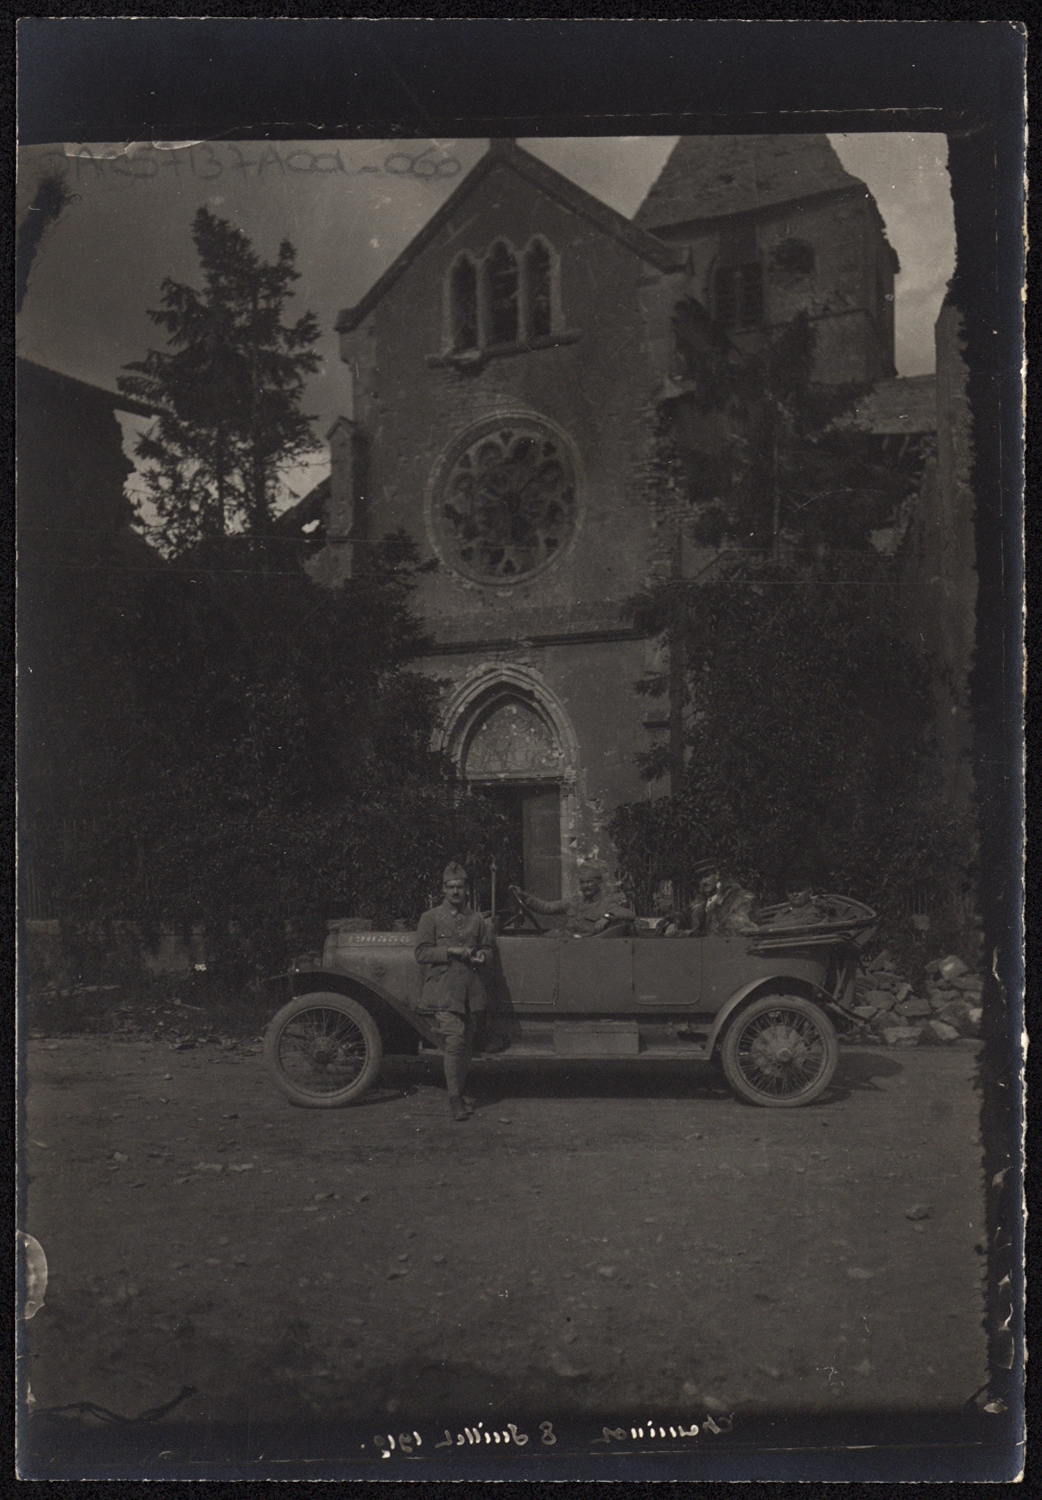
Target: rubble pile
890 1011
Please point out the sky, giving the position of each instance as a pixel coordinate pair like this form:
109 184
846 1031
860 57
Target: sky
349 207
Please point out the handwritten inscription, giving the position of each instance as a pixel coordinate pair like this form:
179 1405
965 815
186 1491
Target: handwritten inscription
651 1430
509 1436
259 162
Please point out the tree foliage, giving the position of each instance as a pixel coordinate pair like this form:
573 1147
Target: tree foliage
52 197
760 451
269 766
809 712
227 390
250 751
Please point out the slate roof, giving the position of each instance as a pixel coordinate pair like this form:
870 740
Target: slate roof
548 181
905 405
714 176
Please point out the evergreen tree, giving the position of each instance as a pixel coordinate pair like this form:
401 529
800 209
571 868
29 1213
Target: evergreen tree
266 763
228 391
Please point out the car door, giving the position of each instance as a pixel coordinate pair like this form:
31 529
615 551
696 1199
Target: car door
528 972
595 975
726 966
667 973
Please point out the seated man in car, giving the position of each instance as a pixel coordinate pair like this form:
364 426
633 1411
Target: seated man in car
800 908
722 907
590 912
730 909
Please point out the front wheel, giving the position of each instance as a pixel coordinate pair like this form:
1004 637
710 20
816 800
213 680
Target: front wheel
323 1050
781 1051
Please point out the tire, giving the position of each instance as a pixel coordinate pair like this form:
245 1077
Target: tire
323 1050
780 1051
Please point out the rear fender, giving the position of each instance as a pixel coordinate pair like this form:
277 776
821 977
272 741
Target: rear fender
780 983
400 1028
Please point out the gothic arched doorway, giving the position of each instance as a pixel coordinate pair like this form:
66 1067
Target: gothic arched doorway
511 753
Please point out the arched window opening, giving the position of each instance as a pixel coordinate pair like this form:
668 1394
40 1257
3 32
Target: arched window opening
538 284
501 281
738 295
464 294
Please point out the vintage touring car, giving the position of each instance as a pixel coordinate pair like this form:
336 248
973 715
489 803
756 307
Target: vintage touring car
762 1004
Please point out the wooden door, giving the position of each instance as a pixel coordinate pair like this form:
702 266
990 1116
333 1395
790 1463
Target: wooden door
541 837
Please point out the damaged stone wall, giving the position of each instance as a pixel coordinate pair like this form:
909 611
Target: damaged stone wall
847 291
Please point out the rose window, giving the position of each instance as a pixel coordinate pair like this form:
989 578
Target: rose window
506 505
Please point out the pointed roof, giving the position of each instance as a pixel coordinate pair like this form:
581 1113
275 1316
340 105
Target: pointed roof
506 152
714 176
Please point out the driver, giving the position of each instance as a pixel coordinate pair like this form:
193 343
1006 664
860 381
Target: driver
590 912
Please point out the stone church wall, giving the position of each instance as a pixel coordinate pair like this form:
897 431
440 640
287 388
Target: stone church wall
596 390
845 293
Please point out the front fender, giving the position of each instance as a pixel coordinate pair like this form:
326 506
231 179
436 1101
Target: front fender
394 1018
755 987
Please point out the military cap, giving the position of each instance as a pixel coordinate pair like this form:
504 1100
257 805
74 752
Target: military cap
454 871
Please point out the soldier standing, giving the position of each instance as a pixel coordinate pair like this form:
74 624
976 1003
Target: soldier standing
453 944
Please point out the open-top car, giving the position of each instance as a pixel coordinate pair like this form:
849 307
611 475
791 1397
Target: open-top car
763 1003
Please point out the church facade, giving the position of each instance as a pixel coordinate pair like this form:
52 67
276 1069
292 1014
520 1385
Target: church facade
507 368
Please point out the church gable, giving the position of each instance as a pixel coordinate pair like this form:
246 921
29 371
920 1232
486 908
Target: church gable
513 170
491 363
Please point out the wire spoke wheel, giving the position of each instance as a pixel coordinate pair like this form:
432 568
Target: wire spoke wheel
323 1050
780 1051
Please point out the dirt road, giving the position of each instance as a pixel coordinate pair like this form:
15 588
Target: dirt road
595 1239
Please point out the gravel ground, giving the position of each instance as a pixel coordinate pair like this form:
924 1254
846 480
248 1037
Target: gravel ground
596 1238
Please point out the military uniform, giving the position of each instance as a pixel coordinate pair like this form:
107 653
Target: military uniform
452 987
804 914
583 916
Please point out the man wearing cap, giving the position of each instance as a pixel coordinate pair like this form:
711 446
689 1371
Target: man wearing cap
453 946
801 909
722 907
589 912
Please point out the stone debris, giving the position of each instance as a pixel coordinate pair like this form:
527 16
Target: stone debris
952 968
894 1010
938 1031
900 1036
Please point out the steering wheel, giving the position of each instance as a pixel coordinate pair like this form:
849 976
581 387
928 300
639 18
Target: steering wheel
524 914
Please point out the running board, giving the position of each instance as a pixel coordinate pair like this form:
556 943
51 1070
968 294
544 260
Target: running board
681 1051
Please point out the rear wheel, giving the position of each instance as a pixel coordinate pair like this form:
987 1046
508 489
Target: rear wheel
323 1050
781 1051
